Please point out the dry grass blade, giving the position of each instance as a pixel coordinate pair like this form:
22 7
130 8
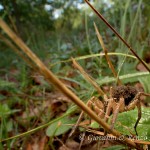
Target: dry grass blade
87 77
118 35
51 78
77 124
106 55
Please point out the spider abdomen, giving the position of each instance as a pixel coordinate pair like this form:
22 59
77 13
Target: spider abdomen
127 92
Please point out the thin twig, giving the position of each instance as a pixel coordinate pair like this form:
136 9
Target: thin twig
119 36
106 55
87 77
79 119
77 124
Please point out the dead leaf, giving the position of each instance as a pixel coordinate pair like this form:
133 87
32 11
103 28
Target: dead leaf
140 67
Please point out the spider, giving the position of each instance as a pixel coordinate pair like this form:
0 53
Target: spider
122 98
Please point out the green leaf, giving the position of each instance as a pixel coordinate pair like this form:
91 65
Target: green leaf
94 124
5 110
144 81
125 78
128 119
116 147
61 126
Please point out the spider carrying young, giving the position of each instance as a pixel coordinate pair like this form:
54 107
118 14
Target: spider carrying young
122 98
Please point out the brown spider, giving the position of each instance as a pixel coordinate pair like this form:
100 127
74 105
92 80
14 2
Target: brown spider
123 98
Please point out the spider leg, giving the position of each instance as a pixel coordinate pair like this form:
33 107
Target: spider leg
136 102
92 103
98 107
139 116
139 108
106 100
116 110
109 109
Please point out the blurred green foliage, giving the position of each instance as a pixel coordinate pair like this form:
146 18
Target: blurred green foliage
59 30
71 33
